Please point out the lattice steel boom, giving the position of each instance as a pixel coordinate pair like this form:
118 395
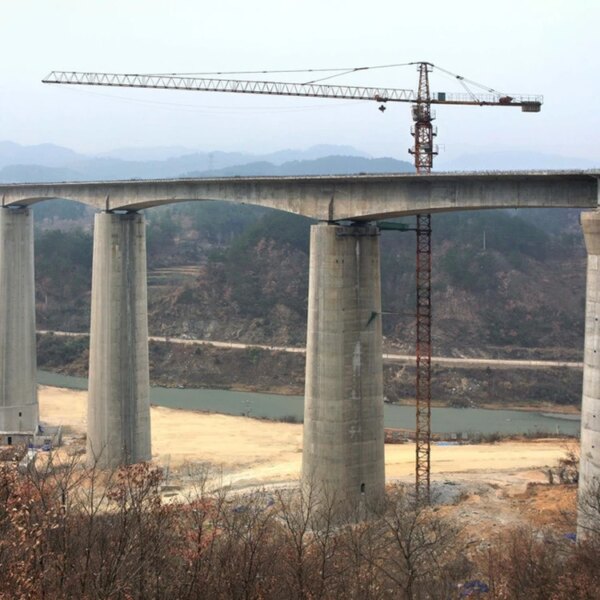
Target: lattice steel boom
278 88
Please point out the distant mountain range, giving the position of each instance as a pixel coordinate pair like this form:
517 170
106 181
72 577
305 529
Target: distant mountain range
326 165
44 155
219 160
48 162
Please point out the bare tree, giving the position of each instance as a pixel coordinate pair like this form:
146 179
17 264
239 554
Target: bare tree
415 550
523 564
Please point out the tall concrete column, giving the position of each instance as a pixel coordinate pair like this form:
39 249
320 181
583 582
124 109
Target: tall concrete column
119 386
18 389
343 452
589 465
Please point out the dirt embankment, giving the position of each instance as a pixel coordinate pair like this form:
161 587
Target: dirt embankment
255 369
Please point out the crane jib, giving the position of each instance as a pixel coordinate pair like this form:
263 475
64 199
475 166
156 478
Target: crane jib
240 86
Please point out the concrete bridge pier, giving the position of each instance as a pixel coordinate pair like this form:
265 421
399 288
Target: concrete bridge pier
119 386
343 452
589 464
18 389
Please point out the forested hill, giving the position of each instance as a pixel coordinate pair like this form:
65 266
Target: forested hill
506 283
328 165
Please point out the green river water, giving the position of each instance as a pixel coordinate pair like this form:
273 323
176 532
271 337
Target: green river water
273 406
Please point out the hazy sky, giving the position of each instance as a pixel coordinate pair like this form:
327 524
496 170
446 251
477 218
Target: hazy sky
548 47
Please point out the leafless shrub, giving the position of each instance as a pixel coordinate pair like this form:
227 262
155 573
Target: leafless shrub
410 552
522 565
568 467
588 509
76 532
12 453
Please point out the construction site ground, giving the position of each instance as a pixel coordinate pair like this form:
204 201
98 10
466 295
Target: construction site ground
486 486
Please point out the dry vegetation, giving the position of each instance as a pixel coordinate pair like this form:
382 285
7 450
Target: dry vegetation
67 531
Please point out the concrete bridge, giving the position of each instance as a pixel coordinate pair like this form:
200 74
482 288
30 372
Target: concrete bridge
333 198
343 450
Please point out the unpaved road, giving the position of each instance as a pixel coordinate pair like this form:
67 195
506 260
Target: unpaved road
443 361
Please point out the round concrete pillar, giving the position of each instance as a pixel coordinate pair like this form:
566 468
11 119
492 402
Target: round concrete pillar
18 389
119 387
589 465
343 447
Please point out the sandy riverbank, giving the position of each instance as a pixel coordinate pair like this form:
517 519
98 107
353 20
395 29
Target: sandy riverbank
538 407
253 451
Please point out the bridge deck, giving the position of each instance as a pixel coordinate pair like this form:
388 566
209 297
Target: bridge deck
334 197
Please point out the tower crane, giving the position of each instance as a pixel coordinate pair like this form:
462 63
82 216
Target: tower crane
423 150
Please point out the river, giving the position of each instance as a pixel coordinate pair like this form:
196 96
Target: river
273 406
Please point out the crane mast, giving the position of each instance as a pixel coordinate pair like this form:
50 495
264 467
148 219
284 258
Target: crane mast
423 151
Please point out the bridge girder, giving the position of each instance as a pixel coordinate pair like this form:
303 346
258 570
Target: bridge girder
333 198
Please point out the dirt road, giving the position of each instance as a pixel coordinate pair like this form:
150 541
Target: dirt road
443 361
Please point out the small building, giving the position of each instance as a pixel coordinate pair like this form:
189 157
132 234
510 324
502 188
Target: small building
16 438
45 438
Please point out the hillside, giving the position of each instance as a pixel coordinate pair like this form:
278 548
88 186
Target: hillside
522 292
